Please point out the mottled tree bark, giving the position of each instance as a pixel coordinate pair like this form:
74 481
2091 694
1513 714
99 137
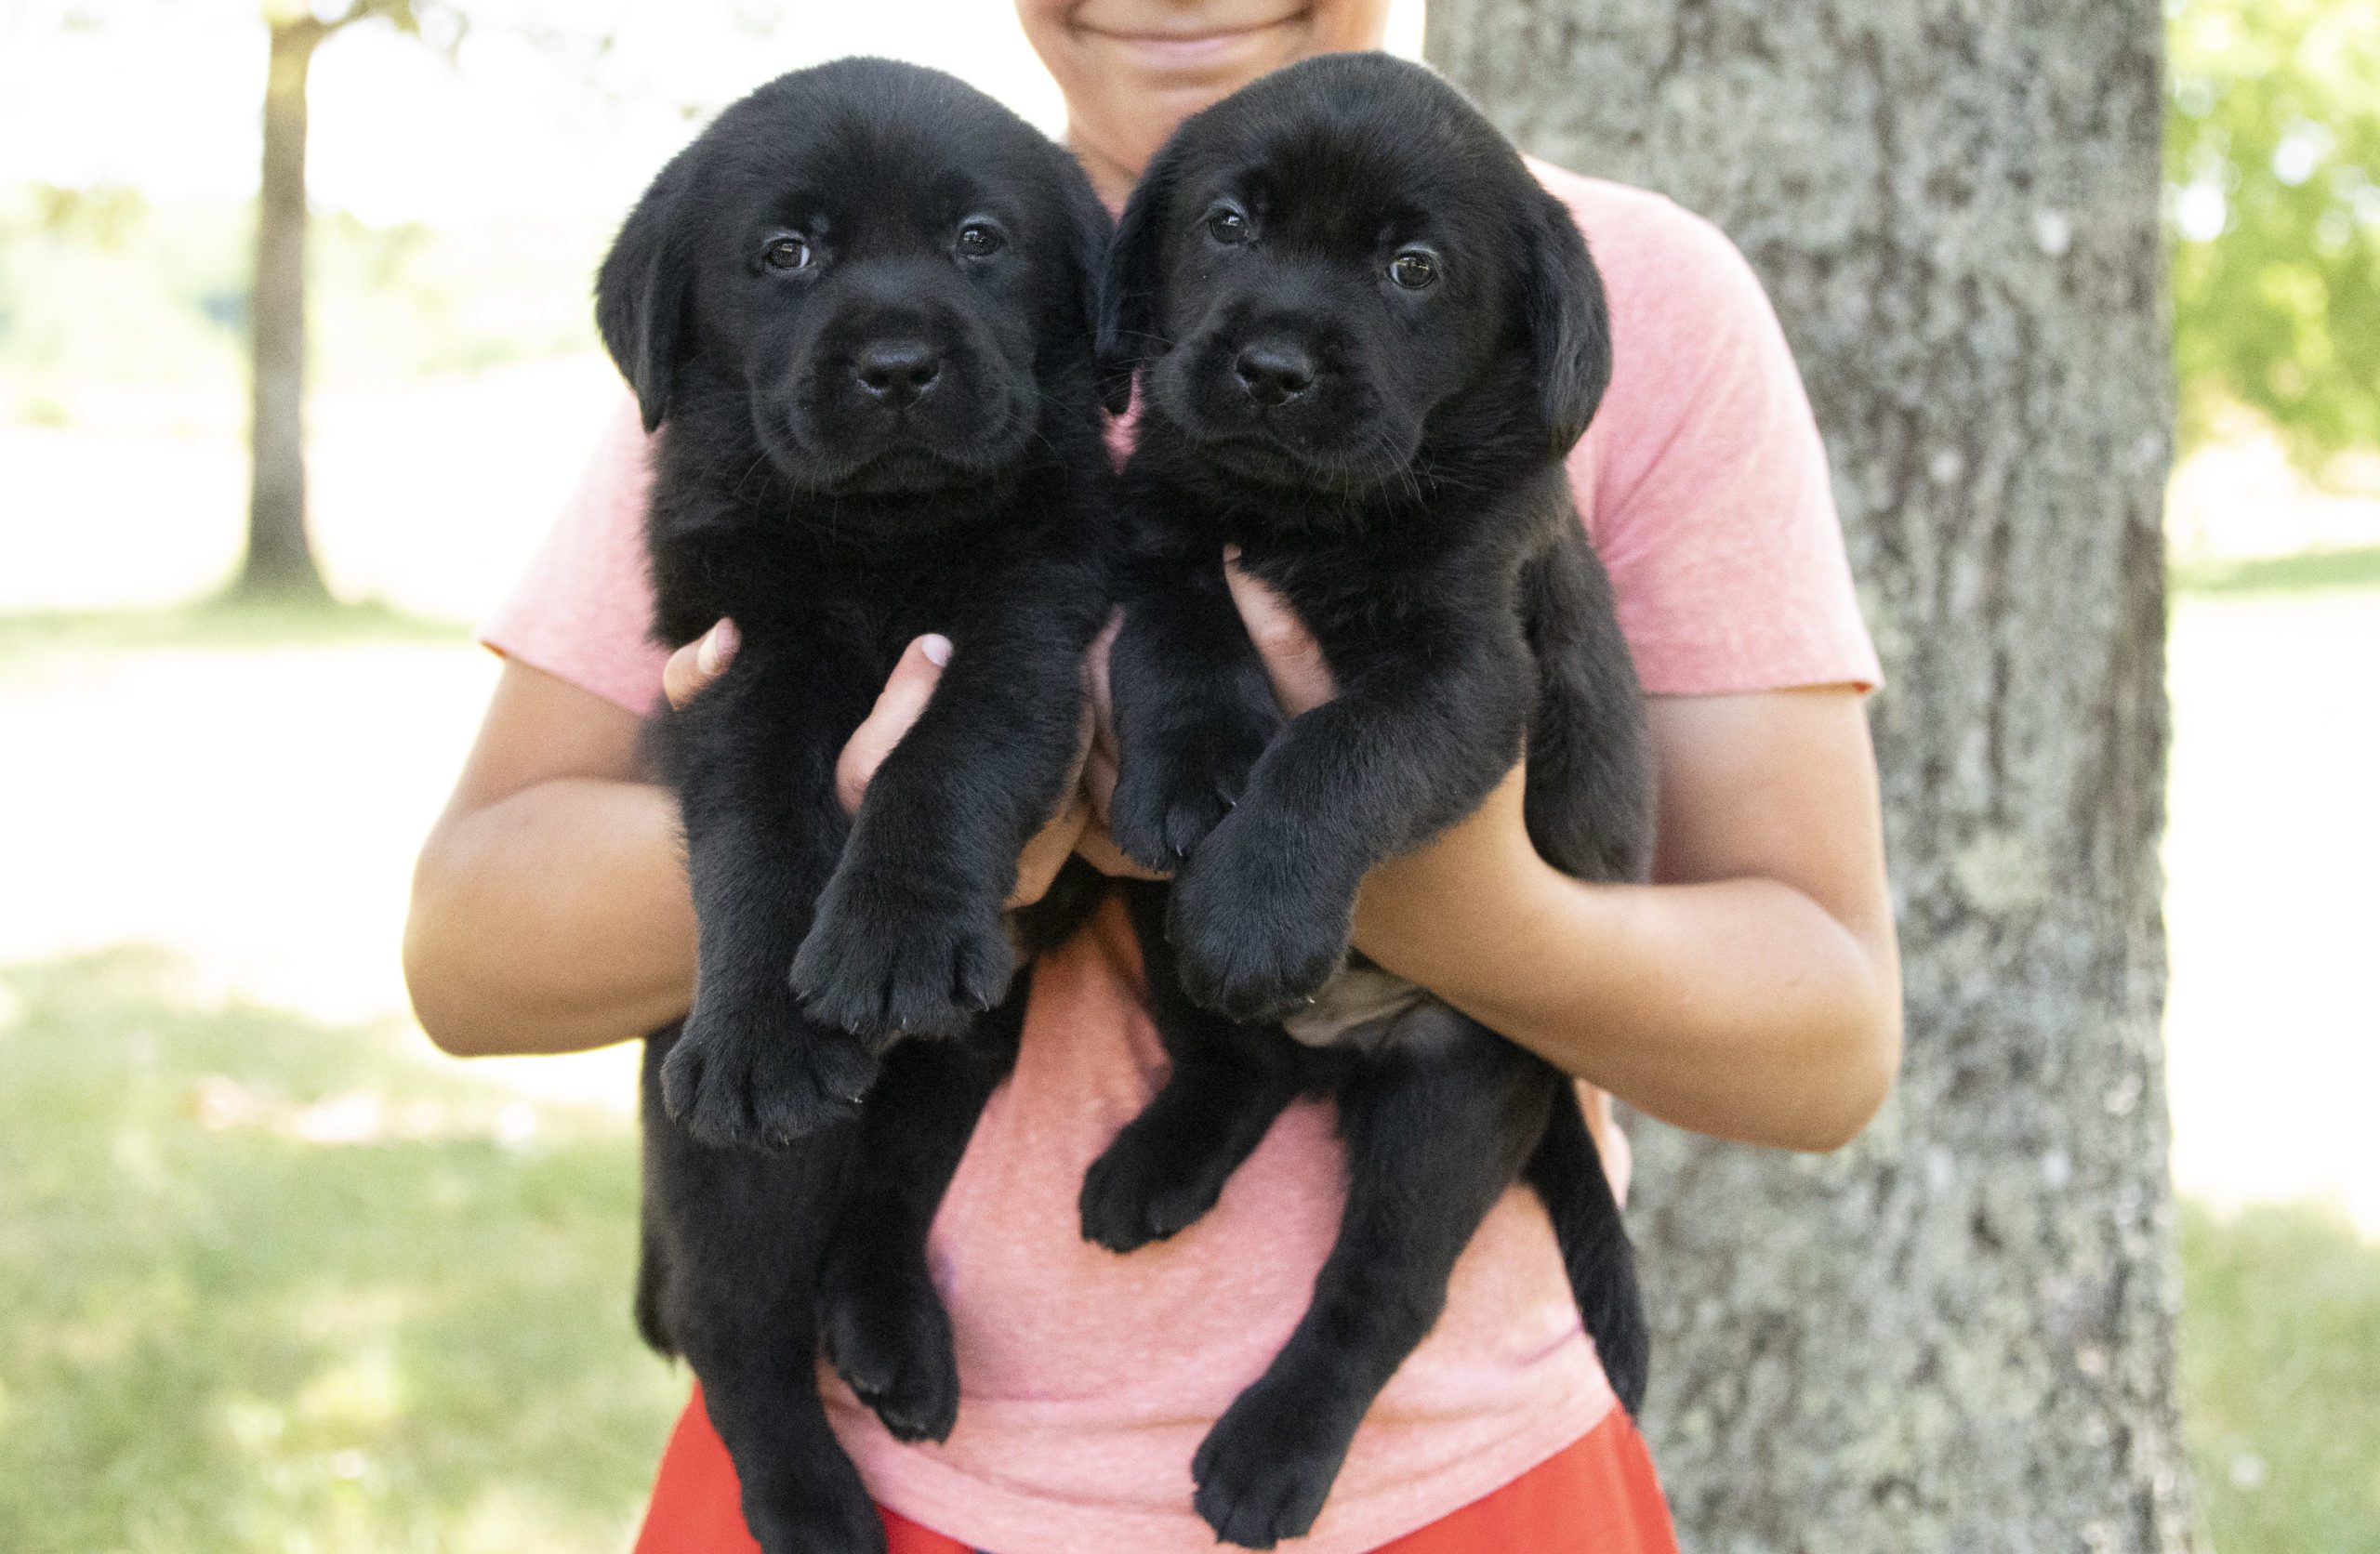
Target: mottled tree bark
1958 1334
280 561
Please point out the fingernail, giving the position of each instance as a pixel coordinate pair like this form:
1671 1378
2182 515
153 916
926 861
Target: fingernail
936 648
1231 554
718 646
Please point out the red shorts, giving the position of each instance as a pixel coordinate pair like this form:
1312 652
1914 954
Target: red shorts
1598 1492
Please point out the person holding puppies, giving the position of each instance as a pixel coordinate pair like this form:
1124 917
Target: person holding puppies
1751 992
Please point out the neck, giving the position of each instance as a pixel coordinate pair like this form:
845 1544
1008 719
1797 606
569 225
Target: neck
1110 178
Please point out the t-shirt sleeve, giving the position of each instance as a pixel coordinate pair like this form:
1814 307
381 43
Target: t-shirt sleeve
1703 477
583 609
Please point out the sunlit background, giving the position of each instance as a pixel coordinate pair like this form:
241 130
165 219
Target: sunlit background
292 1273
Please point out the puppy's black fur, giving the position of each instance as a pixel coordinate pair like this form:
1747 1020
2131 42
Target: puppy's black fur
858 311
1366 337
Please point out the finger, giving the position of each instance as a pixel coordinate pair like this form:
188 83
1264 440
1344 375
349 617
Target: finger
1097 669
1047 853
902 701
1300 675
699 662
1098 849
1099 781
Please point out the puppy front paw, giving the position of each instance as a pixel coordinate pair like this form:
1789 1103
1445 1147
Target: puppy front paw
753 1073
1170 794
887 958
1257 928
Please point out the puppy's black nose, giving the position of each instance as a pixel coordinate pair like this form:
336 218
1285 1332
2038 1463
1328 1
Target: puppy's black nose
1273 372
896 373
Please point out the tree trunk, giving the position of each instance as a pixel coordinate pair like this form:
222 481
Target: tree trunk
1956 1334
280 561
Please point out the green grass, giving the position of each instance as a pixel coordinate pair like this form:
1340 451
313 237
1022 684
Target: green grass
2281 1376
215 1334
221 1329
219 623
2310 572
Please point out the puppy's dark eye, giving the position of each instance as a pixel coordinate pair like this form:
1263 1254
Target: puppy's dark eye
1414 268
1226 226
978 240
787 253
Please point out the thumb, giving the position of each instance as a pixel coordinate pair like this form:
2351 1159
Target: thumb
900 704
698 662
1300 675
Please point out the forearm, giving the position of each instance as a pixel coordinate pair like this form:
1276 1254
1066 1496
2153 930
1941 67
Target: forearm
1735 1007
552 920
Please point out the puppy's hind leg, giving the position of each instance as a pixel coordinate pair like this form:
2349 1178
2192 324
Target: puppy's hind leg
1436 1129
1168 1165
882 1319
746 1231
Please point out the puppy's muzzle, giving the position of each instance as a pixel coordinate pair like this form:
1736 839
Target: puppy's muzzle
1273 372
897 373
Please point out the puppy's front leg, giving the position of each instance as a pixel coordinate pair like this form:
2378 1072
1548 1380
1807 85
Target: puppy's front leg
910 938
1413 743
752 760
1193 710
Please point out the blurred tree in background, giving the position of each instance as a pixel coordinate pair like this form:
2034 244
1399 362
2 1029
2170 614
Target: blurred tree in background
280 561
1957 1334
2273 152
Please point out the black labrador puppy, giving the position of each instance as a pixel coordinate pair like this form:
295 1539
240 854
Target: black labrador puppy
1365 339
858 311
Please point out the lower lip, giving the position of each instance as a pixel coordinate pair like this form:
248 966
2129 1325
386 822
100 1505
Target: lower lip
1189 52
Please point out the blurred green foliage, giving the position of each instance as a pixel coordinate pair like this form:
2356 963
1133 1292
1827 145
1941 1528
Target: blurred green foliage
2273 154
2309 572
105 286
227 622
2272 159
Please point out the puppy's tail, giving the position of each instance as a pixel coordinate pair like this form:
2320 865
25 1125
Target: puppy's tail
652 1277
653 1252
1567 1171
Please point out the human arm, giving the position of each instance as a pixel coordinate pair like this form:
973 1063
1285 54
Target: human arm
549 909
1751 993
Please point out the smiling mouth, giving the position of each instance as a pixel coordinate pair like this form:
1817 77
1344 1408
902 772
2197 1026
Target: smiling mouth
1191 51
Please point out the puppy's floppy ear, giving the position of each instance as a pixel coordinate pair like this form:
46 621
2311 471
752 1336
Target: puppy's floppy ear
1567 321
1128 319
643 288
1092 232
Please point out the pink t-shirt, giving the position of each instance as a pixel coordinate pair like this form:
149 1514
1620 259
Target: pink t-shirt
1090 1379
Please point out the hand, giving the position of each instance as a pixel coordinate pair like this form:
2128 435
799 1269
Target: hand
1300 675
1407 900
1097 847
1301 681
899 705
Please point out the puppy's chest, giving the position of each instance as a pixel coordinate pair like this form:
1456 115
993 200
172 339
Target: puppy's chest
883 609
791 585
1367 611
